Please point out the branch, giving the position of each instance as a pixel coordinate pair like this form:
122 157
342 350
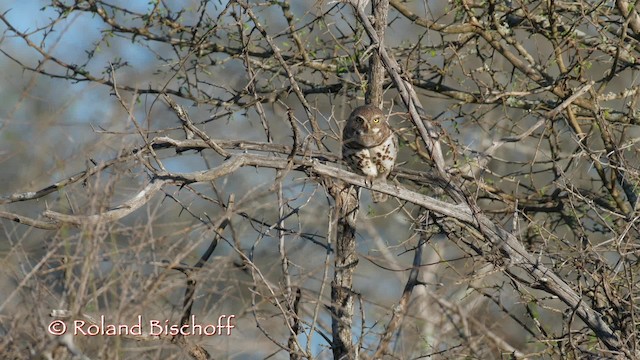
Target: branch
409 97
400 310
513 253
118 213
188 125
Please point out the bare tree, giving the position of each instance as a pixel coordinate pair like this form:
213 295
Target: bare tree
187 178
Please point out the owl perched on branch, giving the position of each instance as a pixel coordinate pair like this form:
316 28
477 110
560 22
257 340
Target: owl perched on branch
369 145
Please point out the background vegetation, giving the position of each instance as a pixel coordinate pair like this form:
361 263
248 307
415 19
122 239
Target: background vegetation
168 159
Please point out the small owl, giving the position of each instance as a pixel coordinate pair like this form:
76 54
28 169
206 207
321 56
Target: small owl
369 145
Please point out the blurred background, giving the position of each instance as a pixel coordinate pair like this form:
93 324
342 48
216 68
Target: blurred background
80 111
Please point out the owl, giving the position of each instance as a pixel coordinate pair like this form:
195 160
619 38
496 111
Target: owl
369 146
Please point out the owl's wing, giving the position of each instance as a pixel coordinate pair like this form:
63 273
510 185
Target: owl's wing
396 145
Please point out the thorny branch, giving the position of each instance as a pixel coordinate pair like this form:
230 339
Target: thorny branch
526 110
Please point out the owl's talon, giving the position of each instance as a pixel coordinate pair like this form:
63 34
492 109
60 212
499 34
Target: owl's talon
368 182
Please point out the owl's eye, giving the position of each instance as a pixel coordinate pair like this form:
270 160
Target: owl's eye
376 120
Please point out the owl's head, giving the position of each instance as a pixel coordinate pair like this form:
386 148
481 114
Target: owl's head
367 119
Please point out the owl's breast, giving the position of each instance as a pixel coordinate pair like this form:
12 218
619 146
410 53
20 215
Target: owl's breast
369 140
372 154
384 155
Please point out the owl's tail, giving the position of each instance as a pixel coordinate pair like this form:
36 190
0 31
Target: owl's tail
378 197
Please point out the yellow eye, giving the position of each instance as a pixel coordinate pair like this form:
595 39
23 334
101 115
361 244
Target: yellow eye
376 120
